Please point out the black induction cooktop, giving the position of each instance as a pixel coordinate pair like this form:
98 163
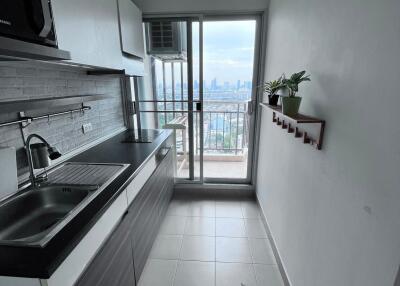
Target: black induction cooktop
141 136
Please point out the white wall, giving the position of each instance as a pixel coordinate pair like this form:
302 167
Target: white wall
335 213
180 6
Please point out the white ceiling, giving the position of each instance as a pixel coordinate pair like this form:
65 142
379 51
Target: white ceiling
182 6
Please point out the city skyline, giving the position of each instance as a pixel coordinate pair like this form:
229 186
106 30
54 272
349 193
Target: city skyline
214 84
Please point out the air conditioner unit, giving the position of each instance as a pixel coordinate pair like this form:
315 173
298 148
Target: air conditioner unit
167 40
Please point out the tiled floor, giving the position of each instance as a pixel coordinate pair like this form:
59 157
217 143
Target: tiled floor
218 169
209 242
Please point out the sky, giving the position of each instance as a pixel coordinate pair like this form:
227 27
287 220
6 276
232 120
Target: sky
228 50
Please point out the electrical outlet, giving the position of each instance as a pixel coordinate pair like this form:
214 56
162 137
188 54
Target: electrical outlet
87 127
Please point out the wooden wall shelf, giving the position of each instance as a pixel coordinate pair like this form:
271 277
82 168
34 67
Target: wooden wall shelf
290 123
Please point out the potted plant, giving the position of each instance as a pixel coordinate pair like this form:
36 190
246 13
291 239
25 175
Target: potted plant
290 86
271 88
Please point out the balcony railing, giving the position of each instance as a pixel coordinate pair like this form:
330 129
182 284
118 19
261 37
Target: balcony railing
225 129
225 126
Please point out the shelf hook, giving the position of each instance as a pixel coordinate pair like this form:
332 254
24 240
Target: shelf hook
273 117
290 128
284 125
306 140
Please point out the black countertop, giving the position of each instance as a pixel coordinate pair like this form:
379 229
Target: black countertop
41 262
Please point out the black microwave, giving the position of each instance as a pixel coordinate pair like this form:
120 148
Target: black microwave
28 20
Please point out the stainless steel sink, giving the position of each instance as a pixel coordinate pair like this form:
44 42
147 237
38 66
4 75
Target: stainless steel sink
29 216
32 216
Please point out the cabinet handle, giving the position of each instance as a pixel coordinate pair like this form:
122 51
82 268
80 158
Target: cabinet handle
47 19
164 151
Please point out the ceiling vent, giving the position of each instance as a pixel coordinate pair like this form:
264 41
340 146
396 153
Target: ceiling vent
167 40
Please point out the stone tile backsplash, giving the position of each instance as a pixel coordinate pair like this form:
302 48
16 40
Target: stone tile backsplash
22 81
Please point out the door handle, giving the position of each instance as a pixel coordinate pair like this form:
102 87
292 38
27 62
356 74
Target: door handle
133 108
250 107
199 106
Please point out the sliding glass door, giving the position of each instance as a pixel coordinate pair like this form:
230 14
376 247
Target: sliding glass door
173 64
203 88
229 46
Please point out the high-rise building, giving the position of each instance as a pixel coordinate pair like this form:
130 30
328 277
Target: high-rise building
226 85
238 84
214 84
247 84
178 86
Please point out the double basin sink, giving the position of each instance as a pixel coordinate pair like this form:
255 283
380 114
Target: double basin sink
34 215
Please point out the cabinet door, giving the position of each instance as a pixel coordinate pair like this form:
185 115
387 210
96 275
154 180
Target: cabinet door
169 186
144 224
113 264
131 28
89 30
148 210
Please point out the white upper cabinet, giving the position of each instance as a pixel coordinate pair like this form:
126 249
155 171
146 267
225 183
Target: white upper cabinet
89 29
131 28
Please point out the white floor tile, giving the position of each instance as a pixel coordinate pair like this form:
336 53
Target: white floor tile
179 207
255 228
230 249
200 226
235 274
230 227
250 210
228 209
173 225
195 273
202 209
268 275
167 247
201 248
197 233
261 251
158 273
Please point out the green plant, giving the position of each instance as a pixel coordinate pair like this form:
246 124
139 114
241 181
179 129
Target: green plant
272 87
293 82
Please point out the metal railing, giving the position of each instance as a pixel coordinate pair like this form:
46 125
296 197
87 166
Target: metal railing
225 127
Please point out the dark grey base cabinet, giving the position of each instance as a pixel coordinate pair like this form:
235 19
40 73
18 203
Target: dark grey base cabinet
121 260
113 264
148 210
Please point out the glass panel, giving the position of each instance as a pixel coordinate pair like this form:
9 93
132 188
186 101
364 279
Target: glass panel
182 135
196 96
228 74
170 83
159 86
